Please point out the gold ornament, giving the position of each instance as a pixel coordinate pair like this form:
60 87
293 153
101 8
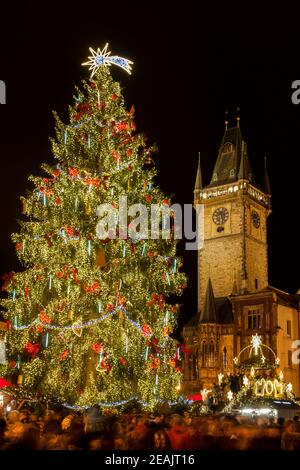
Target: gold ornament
20 379
100 260
77 331
70 315
87 208
24 204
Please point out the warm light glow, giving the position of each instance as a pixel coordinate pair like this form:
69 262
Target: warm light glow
102 57
281 375
220 378
256 343
245 381
230 395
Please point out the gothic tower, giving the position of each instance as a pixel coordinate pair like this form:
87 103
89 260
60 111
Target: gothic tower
233 223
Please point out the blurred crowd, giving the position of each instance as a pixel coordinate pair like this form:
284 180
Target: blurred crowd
94 430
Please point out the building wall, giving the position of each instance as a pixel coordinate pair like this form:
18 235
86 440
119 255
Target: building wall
284 344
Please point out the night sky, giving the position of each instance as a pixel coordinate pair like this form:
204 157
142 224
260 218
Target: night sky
190 65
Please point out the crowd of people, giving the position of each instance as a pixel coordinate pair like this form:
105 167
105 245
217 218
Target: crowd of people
143 431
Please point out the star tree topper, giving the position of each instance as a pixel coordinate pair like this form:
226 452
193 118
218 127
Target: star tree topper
103 57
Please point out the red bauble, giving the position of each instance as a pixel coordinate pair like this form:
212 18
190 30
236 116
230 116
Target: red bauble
19 246
44 318
123 361
114 97
97 347
56 172
73 171
64 355
146 330
32 348
70 231
58 201
148 198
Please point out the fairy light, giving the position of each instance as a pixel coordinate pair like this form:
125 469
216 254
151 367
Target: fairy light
50 282
81 325
245 381
89 247
220 378
175 266
147 353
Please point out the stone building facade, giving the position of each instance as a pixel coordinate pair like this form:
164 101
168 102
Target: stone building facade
235 300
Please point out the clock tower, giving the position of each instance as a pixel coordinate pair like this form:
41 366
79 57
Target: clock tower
234 223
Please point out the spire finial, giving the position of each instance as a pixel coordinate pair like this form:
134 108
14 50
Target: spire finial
198 183
226 120
267 189
238 117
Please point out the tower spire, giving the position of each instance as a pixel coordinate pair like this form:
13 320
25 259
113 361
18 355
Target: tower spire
238 117
267 189
198 182
209 312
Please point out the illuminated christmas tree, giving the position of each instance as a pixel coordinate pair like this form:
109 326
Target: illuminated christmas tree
88 319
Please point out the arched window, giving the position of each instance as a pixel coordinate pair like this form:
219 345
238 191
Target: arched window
204 354
227 148
211 354
225 358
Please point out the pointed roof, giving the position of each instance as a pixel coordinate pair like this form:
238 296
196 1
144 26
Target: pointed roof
224 313
232 162
267 188
209 312
198 182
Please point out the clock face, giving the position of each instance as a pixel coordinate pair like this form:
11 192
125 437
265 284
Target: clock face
255 219
220 215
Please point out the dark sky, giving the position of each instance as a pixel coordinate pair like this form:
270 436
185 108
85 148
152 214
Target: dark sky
191 63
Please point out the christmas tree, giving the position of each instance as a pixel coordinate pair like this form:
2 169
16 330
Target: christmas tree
89 318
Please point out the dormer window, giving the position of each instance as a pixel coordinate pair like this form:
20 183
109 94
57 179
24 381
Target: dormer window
227 148
215 177
232 173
